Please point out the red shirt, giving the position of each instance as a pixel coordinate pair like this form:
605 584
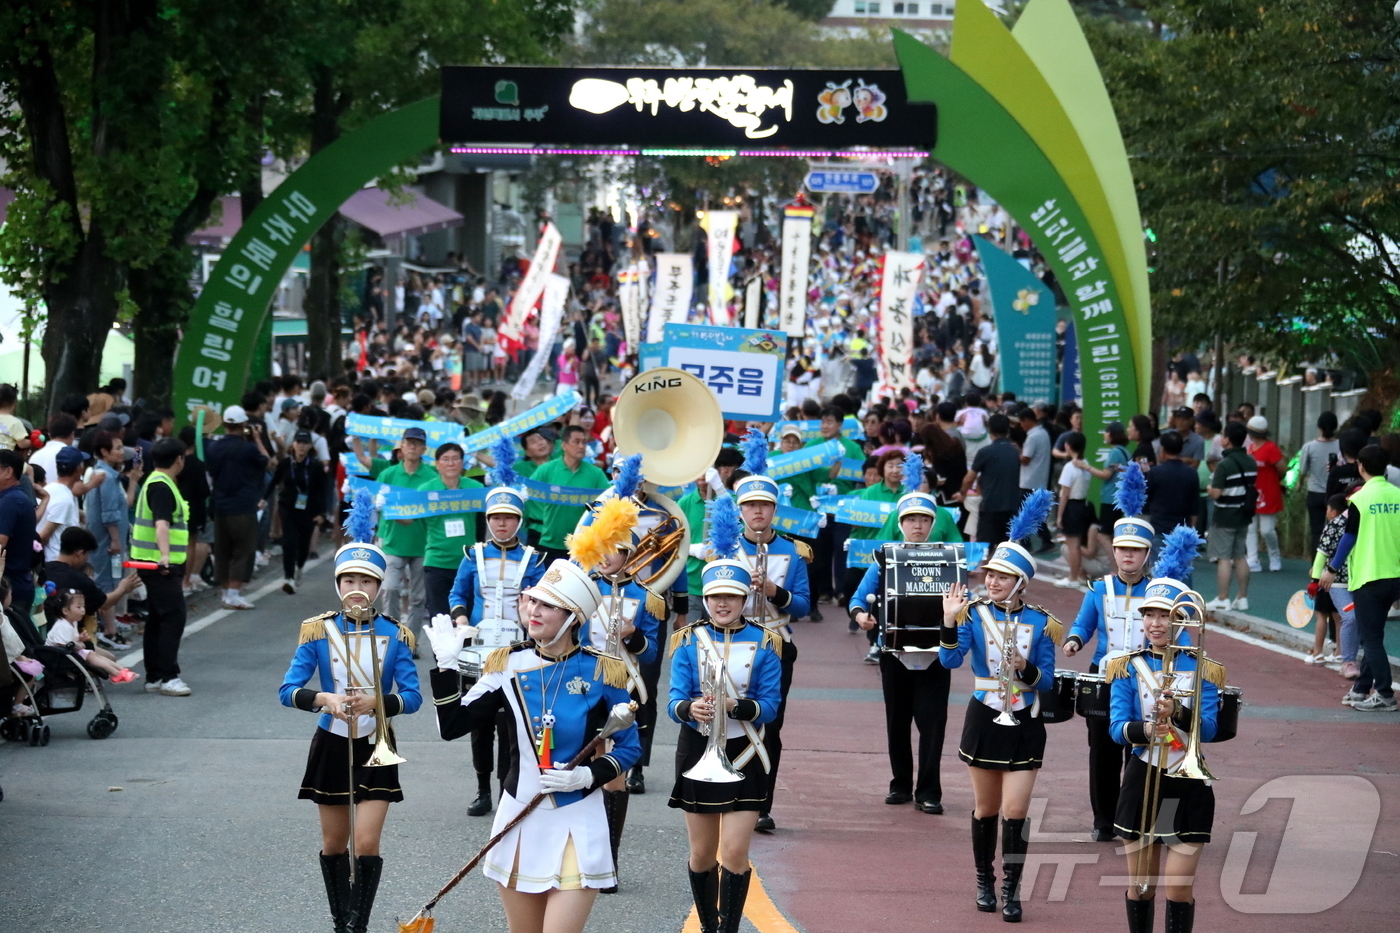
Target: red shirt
1266 454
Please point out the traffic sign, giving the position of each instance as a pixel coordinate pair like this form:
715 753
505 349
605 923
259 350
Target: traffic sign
848 182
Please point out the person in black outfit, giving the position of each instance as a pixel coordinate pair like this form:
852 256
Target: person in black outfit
1173 490
165 625
193 483
301 503
997 471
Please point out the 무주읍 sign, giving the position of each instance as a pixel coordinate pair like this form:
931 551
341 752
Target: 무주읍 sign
744 368
847 182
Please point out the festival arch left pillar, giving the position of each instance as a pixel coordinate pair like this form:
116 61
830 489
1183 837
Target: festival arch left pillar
220 339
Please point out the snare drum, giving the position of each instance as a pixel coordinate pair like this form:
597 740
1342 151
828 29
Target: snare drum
1228 720
469 663
1091 696
1058 704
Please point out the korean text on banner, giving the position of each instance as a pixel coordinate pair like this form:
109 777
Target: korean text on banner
531 287
398 502
744 368
542 413
629 297
675 289
1023 310
898 285
720 251
797 253
1069 368
391 429
556 293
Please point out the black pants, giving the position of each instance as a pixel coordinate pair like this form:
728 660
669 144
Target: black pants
489 747
1106 761
165 622
840 534
1373 601
850 582
823 581
920 698
437 589
992 527
772 734
1044 529
297 526
1317 517
646 716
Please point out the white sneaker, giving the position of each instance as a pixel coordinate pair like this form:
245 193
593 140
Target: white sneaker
1218 605
1275 566
1065 583
198 585
153 686
1254 567
175 688
260 561
236 601
1241 604
289 587
188 591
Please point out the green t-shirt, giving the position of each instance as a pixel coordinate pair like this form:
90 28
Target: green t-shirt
411 539
556 521
850 450
449 534
880 492
945 529
694 508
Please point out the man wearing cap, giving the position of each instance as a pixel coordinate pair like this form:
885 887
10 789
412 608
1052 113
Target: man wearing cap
776 603
63 505
555 520
405 540
1112 610
1193 446
288 410
915 686
238 476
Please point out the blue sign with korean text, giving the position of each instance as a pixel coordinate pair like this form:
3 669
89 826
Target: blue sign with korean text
744 368
846 182
1023 309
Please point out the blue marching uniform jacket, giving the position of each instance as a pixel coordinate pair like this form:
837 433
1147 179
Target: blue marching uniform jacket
760 685
1127 701
1038 633
578 690
793 600
399 680
466 588
643 644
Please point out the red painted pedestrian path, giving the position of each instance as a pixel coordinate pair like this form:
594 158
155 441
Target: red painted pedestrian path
843 861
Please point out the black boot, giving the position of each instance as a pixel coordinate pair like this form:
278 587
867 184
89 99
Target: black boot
482 804
367 871
1013 861
984 854
733 891
335 871
615 806
1140 914
636 781
704 888
1181 916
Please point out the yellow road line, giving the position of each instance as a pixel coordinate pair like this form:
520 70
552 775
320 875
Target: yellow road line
759 908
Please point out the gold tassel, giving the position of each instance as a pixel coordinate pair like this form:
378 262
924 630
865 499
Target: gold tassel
498 660
804 550
772 639
1116 668
609 670
314 628
1054 628
406 636
1214 672
656 605
680 637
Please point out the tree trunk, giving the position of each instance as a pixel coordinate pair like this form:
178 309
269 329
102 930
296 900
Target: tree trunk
156 333
322 304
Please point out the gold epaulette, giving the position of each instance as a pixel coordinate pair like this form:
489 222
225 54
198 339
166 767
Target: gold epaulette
681 636
405 635
771 639
1118 667
1054 628
314 628
609 670
498 660
1213 672
655 604
966 612
804 550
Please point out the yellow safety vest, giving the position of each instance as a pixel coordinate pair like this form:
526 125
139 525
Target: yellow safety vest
143 531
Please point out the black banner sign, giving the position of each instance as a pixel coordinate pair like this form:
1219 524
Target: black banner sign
739 108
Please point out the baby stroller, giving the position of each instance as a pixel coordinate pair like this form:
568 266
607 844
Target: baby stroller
66 682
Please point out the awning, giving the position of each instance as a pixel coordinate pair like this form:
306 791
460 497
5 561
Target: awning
370 207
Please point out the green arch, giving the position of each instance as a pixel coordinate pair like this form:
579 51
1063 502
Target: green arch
218 342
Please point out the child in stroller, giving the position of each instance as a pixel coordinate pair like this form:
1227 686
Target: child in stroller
65 610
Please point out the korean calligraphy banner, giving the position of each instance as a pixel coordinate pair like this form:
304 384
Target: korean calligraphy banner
531 288
542 413
744 368
629 298
556 293
391 429
791 520
719 245
797 254
1069 368
781 466
675 288
1023 309
899 282
398 502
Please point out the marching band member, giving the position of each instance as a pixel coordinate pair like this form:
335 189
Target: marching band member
1112 611
1144 708
920 695
783 578
486 597
720 817
558 694
335 649
1003 739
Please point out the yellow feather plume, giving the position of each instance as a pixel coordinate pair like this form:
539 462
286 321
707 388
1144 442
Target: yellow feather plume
612 525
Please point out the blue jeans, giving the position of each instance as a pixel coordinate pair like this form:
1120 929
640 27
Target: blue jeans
1350 638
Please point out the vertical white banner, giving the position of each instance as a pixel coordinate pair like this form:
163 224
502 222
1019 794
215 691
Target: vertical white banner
675 287
556 293
753 301
797 254
532 286
629 299
898 286
720 246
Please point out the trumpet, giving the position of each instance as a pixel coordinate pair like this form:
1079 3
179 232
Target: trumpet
1006 672
760 583
714 766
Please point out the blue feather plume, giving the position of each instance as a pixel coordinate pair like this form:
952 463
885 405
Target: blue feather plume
913 476
724 526
755 448
503 473
1130 496
1178 553
359 524
1032 515
629 476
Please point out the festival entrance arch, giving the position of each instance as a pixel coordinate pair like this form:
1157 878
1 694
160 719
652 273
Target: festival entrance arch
1023 114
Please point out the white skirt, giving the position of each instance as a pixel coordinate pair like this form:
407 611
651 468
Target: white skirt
531 857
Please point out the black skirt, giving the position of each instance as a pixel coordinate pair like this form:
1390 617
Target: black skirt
1001 748
327 779
1185 813
704 797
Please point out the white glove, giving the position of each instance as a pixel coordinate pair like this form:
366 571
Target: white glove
821 519
447 640
559 781
713 481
